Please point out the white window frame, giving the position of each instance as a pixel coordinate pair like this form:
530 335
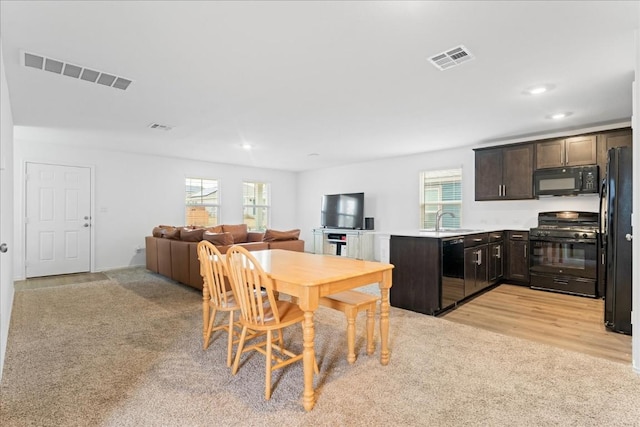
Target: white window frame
267 206
216 206
434 176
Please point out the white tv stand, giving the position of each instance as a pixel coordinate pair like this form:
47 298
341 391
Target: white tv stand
344 242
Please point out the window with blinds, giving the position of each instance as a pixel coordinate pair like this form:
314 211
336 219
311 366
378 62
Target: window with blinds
202 202
256 205
440 190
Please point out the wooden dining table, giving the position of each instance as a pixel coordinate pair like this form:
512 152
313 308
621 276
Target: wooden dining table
308 277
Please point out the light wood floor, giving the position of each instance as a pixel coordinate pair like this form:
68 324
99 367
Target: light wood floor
566 321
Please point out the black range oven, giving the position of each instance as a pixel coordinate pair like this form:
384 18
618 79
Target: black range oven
564 252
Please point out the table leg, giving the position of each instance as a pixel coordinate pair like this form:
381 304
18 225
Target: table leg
384 318
308 360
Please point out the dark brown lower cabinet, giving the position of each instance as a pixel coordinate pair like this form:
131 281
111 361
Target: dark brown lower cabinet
416 273
476 262
473 263
496 259
518 257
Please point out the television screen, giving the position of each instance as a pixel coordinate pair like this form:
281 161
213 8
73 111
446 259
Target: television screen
343 210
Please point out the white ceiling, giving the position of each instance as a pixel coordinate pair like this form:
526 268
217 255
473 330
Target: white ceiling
349 81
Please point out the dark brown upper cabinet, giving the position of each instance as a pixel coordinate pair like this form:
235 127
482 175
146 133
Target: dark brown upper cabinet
611 139
574 151
504 173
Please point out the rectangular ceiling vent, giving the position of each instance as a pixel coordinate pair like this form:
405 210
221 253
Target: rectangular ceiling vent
75 71
451 58
158 126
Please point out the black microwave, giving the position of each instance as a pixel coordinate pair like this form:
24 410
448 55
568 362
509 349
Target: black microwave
566 181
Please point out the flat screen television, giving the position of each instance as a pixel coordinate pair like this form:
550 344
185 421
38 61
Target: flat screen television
343 211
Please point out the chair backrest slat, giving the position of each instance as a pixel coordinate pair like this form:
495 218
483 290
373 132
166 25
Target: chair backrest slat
252 286
213 271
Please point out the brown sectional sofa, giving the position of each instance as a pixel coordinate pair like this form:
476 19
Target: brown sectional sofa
167 254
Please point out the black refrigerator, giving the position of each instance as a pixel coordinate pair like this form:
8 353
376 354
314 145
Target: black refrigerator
615 229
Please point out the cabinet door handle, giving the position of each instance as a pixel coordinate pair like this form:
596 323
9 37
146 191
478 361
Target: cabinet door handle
525 250
498 254
516 236
477 240
504 190
479 253
499 190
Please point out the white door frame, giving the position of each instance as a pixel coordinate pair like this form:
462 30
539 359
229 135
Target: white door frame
23 208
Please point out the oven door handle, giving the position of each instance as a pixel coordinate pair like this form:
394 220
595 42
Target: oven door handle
563 240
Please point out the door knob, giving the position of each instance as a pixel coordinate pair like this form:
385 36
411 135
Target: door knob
629 237
4 248
86 225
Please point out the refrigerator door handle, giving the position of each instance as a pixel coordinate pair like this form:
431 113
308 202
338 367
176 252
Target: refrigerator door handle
603 219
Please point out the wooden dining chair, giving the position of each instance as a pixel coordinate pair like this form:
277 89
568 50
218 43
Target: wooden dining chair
262 312
221 298
351 303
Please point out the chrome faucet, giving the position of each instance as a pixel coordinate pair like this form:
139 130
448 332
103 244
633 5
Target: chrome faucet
439 216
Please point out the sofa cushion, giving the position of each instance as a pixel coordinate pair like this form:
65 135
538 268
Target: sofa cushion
251 246
289 245
218 239
254 236
276 236
239 232
172 233
191 235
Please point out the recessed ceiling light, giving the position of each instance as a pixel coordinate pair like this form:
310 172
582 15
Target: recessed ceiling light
313 154
538 89
558 116
246 146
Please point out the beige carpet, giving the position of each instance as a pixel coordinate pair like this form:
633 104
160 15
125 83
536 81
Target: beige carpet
127 352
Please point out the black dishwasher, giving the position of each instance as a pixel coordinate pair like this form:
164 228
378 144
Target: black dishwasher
452 271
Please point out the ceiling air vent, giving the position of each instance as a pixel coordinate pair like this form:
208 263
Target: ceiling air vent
41 62
451 58
158 126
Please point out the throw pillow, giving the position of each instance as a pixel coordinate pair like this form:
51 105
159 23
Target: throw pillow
275 236
157 232
238 231
218 239
191 235
215 229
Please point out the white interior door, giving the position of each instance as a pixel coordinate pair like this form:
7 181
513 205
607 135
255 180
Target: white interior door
58 220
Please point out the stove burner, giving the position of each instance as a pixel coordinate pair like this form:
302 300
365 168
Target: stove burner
566 225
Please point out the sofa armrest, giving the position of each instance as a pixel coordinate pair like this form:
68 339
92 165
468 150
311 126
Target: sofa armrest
164 256
289 245
151 251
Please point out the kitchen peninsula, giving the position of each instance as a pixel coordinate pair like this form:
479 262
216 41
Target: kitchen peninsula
436 270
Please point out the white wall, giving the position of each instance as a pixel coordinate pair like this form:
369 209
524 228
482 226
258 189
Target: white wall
391 188
6 210
133 193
